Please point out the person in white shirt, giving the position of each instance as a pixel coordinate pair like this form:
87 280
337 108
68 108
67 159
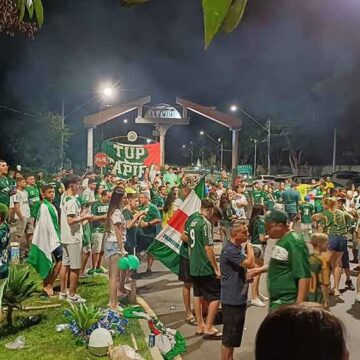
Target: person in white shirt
71 239
24 222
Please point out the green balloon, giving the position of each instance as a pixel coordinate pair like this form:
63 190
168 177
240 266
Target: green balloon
123 263
134 262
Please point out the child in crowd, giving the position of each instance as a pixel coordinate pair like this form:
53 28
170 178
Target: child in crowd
320 270
306 212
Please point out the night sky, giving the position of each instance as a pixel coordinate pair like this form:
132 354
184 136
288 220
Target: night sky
294 61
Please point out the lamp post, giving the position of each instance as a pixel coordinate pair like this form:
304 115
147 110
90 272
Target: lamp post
106 92
267 128
218 143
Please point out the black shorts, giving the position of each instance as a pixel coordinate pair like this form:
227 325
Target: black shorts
57 254
207 287
233 320
184 270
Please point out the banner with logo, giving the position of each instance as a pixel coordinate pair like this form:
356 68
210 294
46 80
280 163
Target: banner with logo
131 159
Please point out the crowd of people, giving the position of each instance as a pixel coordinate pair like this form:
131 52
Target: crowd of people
296 233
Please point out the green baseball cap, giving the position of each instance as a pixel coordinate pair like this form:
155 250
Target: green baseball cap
276 216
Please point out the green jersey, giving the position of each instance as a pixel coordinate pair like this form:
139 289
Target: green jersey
4 191
268 200
34 200
320 275
334 223
159 202
184 247
278 195
199 232
99 209
306 210
152 213
288 264
257 197
259 229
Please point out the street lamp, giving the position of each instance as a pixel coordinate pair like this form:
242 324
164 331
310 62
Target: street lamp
125 121
148 141
267 128
218 143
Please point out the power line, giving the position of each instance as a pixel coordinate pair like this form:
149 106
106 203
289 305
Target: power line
16 111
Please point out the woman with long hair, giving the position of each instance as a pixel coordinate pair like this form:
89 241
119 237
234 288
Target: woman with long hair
257 234
169 207
115 230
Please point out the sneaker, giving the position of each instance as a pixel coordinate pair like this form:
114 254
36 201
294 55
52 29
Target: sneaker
76 299
101 270
349 284
257 302
62 296
91 272
337 292
357 297
263 297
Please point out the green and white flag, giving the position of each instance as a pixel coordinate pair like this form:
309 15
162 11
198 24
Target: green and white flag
45 240
166 247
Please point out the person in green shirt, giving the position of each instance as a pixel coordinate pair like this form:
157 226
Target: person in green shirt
334 222
40 180
257 195
269 200
33 196
170 177
4 184
278 196
291 199
158 199
320 270
289 268
257 237
148 226
204 270
99 211
306 212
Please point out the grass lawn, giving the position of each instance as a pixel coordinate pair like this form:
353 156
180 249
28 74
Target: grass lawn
42 342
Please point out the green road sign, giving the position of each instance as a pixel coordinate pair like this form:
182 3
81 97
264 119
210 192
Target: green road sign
245 169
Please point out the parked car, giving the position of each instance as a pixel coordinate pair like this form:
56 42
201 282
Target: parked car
344 177
265 178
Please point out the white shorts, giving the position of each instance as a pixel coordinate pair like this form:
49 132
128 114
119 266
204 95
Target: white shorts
306 227
96 242
72 255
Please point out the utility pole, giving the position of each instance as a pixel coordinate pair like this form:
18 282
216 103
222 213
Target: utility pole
221 154
255 155
334 150
268 146
62 133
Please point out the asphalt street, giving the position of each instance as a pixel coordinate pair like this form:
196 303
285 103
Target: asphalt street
163 293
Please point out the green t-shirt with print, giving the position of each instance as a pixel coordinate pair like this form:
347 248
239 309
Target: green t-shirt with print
334 223
159 202
257 197
34 200
99 209
199 232
259 229
184 247
289 262
4 191
278 195
152 213
306 211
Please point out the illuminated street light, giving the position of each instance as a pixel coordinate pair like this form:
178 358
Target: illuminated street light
108 91
148 141
201 132
125 121
184 146
233 108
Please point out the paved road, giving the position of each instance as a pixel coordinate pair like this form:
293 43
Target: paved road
162 290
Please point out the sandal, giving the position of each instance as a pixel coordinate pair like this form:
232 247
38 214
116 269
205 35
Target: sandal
215 336
191 321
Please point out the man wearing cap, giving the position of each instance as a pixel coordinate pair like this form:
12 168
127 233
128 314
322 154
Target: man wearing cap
289 268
